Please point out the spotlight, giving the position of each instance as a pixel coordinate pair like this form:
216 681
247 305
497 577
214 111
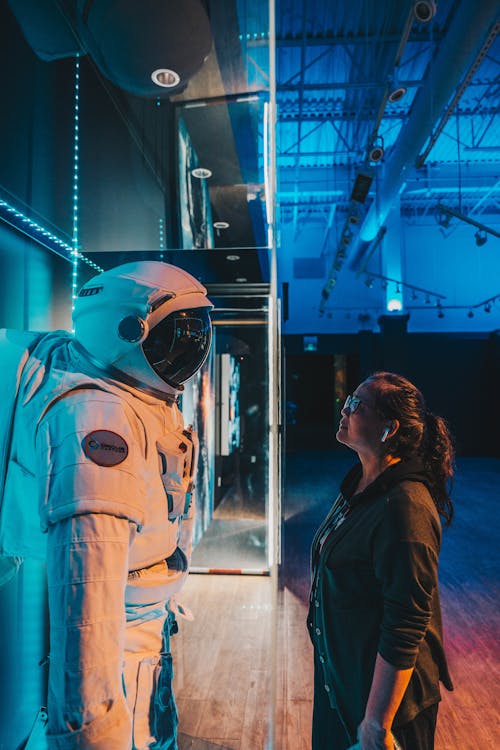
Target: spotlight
440 313
443 219
394 305
427 299
347 236
397 93
414 295
424 10
376 149
369 282
487 308
481 237
470 314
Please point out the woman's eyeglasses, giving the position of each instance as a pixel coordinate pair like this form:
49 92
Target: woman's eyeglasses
352 403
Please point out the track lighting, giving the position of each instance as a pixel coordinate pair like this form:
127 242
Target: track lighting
481 237
376 149
443 219
397 93
424 10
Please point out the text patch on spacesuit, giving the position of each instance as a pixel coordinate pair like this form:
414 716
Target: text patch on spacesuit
105 448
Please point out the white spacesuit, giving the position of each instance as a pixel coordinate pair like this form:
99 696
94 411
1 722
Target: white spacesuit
100 441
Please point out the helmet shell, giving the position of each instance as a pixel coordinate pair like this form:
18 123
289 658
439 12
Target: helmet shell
115 311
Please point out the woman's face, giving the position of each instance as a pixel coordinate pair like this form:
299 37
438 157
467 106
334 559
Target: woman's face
361 427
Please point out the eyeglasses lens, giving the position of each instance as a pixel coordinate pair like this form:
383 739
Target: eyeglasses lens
352 403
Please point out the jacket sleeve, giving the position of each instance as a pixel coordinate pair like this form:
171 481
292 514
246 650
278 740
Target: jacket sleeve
87 566
75 479
405 551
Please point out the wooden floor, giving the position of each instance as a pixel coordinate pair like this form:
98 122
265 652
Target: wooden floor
244 666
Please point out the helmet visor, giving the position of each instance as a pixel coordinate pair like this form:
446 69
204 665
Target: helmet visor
179 344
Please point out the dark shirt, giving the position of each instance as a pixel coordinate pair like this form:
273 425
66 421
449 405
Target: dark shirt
375 590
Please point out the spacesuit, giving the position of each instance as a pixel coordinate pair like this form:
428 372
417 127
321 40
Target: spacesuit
100 442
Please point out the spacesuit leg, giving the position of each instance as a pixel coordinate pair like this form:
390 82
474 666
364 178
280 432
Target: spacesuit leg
148 674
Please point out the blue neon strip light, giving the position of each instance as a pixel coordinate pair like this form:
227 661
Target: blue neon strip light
35 231
75 239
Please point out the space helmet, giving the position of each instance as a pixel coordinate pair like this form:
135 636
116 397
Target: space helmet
146 324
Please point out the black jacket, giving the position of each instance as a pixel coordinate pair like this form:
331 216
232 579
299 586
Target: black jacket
375 589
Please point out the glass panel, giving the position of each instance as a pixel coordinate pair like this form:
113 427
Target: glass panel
236 538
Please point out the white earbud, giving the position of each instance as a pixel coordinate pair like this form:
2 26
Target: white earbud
385 434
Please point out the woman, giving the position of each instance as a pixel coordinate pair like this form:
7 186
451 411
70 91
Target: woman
374 617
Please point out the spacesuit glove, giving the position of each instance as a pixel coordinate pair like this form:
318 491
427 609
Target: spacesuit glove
178 609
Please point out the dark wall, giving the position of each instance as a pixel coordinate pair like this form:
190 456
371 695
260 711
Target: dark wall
125 149
457 373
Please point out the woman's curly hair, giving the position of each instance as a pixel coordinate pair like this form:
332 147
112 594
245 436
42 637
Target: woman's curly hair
420 433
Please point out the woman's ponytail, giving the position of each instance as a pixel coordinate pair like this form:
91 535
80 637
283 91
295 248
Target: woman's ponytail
439 455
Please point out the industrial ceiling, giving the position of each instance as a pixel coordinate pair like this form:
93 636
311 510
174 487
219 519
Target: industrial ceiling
388 149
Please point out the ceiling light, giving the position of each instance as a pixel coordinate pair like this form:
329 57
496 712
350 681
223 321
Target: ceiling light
414 295
165 78
241 279
487 308
424 10
440 313
232 257
470 314
201 172
221 225
394 305
369 282
481 237
376 154
397 94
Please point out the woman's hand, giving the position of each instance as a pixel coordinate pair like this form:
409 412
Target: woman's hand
373 736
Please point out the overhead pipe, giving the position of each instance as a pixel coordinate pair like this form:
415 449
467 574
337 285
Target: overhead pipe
468 30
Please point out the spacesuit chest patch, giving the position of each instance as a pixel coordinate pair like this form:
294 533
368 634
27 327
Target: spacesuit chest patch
105 448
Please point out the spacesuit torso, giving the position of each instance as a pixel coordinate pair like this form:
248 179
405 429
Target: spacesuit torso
101 447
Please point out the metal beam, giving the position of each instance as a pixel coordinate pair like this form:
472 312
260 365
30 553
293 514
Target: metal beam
465 36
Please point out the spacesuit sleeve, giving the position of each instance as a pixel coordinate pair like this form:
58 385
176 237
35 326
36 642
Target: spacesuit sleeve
90 455
87 565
